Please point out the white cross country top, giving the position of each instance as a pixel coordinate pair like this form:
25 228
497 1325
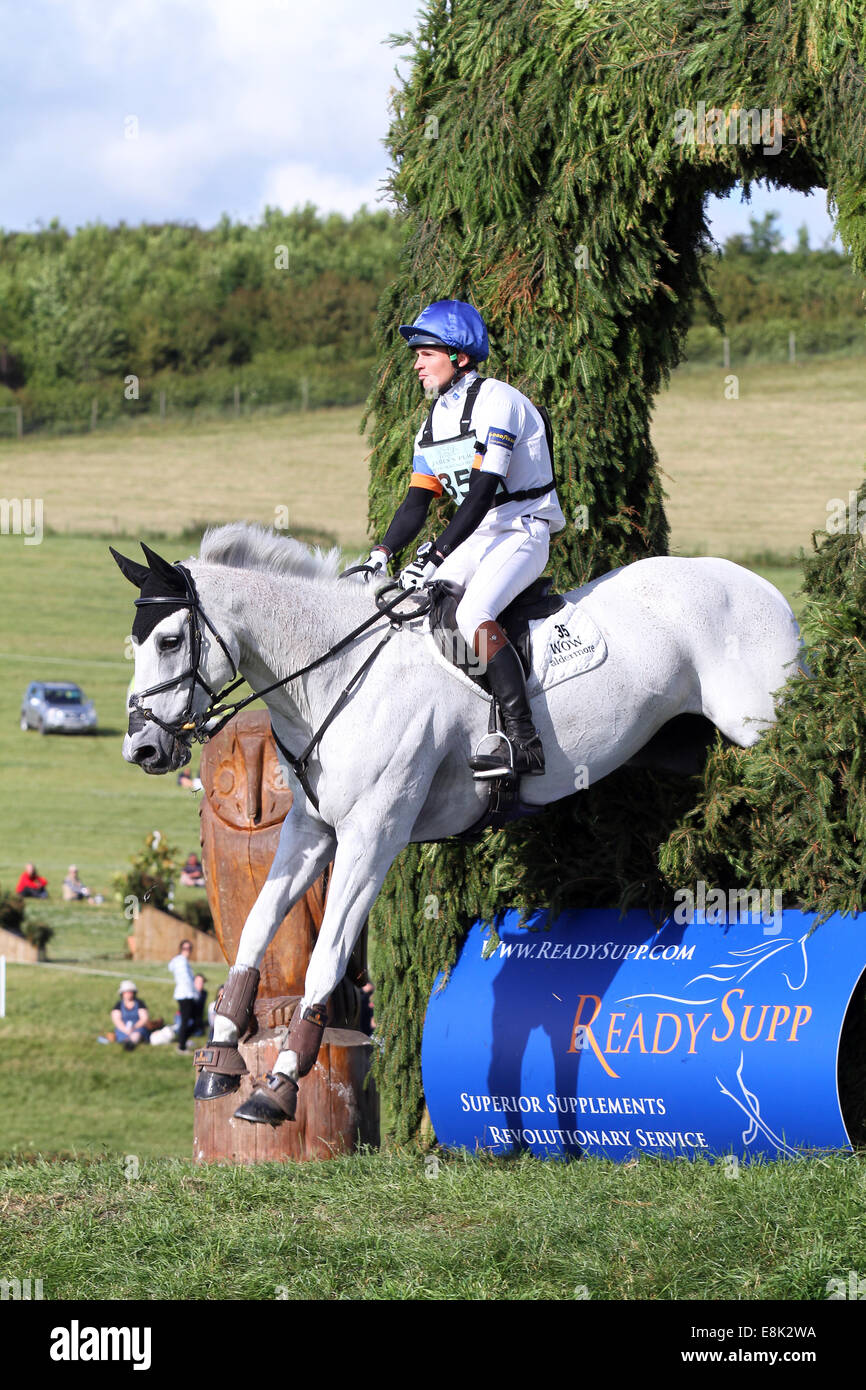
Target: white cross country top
501 433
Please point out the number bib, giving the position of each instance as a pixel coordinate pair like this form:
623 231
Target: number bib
450 460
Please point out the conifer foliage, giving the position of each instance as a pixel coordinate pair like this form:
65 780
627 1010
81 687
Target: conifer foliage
549 173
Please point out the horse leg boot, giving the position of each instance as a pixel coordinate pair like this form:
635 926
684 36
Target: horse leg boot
506 679
277 1099
220 1064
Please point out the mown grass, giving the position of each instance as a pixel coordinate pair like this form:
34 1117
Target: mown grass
391 1226
757 473
61 1090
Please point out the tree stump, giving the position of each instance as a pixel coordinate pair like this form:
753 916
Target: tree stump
245 802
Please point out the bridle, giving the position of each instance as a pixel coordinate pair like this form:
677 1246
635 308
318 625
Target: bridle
197 616
201 728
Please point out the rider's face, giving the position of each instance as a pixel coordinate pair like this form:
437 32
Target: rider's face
435 368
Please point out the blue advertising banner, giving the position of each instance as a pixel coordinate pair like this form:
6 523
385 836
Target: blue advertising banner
606 1036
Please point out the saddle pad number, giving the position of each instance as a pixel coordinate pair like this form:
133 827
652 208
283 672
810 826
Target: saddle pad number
566 644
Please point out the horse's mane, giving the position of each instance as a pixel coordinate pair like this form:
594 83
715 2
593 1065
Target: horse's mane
247 545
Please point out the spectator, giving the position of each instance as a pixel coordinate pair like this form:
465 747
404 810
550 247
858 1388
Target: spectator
30 885
130 1017
192 874
184 992
186 780
73 888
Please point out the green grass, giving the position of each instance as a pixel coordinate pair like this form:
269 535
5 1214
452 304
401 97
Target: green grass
81 1095
377 1226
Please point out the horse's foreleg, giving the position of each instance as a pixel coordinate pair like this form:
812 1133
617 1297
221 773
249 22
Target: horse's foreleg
360 866
305 848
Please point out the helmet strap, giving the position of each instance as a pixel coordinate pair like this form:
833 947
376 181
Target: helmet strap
457 374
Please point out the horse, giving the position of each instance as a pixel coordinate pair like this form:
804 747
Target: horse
385 758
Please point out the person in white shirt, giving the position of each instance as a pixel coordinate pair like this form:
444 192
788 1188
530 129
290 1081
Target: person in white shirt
487 446
185 991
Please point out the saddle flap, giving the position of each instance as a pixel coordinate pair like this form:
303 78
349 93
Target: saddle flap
534 602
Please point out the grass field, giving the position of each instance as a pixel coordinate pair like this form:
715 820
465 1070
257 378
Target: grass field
390 1226
744 477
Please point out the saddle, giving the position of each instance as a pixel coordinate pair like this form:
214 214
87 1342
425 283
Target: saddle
535 602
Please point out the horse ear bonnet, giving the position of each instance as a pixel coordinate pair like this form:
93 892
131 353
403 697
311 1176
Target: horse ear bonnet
160 579
130 569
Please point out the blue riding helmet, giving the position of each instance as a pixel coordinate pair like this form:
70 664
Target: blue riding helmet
450 323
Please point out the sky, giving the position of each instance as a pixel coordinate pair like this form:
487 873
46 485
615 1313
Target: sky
182 110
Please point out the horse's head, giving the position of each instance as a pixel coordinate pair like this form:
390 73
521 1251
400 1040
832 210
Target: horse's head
181 662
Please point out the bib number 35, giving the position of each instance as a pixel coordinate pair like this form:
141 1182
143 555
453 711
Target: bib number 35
456 484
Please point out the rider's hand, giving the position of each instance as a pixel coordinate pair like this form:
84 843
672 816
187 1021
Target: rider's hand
416 575
376 564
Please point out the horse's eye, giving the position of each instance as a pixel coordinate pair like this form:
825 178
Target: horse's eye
168 644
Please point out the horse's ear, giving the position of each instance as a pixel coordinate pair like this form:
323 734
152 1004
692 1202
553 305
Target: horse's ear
163 569
130 569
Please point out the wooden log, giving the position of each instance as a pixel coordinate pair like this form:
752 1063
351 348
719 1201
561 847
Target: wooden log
335 1113
158 934
245 803
17 948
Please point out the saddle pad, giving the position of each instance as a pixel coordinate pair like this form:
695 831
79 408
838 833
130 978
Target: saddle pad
566 644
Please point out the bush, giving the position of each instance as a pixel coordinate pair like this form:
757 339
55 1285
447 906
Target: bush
11 912
150 878
198 915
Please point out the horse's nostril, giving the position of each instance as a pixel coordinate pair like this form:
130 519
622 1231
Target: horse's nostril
144 752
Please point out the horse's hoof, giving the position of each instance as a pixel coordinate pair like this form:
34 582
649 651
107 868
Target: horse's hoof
211 1084
271 1103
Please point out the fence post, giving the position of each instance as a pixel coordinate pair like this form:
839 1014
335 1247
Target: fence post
237 399
94 412
162 405
792 347
726 352
305 393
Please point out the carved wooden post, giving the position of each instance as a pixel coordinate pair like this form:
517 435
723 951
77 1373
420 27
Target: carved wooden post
243 808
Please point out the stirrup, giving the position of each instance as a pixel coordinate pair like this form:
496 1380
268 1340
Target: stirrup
486 766
526 761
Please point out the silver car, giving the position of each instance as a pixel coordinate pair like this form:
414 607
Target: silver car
57 707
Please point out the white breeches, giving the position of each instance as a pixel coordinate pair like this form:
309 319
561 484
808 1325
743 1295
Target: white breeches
494 569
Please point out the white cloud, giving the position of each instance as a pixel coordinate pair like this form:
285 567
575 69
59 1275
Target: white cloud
295 183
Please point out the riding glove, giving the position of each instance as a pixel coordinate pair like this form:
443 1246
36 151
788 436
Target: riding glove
377 563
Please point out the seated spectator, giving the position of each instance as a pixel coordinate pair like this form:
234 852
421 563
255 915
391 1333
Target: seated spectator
192 874
73 888
130 1017
186 780
30 885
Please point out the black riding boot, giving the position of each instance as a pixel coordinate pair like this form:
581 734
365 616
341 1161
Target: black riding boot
525 758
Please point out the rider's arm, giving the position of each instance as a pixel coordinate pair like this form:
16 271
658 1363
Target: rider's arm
411 514
470 513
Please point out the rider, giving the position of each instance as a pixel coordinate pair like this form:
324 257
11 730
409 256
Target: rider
485 444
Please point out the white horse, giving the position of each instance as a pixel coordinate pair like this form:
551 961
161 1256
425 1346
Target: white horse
684 636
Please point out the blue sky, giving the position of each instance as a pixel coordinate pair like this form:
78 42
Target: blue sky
158 110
